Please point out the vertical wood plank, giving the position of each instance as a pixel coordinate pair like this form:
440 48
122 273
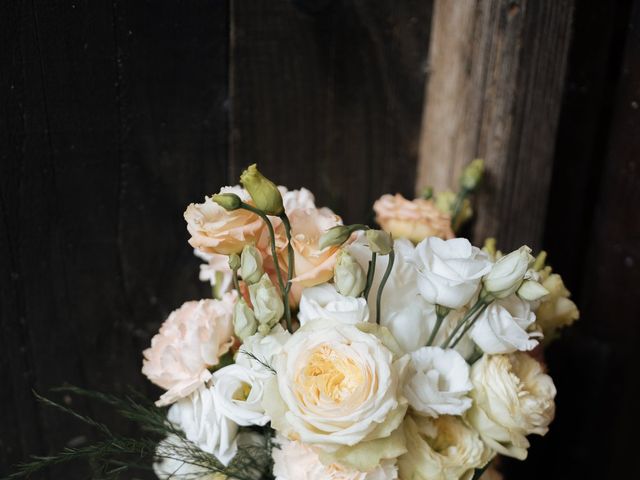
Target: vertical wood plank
330 100
496 76
117 120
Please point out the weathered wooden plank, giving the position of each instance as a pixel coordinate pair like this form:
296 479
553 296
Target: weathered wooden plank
496 76
117 120
330 100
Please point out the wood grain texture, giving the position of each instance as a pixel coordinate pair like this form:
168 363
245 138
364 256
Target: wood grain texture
330 100
496 76
114 124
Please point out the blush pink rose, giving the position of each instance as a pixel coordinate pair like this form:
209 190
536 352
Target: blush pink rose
190 341
412 219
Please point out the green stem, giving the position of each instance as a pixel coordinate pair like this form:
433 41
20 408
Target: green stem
470 324
290 270
274 254
441 314
370 273
457 208
472 311
392 257
236 283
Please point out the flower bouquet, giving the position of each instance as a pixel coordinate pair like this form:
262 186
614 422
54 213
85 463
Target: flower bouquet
333 351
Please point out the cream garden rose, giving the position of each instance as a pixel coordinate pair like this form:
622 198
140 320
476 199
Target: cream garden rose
449 271
297 461
338 387
412 219
512 398
442 448
216 230
190 341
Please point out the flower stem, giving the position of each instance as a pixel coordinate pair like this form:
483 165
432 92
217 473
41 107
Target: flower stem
472 311
370 273
290 270
470 324
392 257
236 283
441 314
274 254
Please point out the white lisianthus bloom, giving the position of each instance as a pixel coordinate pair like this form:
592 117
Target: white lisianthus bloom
203 423
404 312
323 301
508 273
442 448
512 398
438 382
449 271
502 327
258 351
297 461
267 303
338 388
238 391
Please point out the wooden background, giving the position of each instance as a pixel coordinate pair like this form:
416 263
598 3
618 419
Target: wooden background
115 115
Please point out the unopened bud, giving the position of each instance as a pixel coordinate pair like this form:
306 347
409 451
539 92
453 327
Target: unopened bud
267 304
244 321
508 273
349 277
380 241
472 175
264 192
339 234
530 290
228 201
251 264
234 261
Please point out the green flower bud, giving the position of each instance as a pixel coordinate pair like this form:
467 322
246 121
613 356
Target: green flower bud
251 264
267 304
380 241
228 201
339 234
234 261
472 175
427 193
530 290
244 321
264 192
349 277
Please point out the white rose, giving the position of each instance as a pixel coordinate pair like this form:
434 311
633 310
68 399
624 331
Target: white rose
442 448
404 312
323 301
339 387
502 327
200 419
238 392
258 351
297 461
267 303
438 382
449 270
508 273
513 398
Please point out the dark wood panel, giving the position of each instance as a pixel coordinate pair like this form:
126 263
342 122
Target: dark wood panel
117 118
331 99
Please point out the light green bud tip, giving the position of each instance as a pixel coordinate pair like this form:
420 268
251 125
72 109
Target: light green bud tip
338 235
472 175
251 264
348 276
380 241
427 193
264 192
234 261
244 321
228 201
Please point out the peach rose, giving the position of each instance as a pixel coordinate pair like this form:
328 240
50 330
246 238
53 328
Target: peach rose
413 219
190 341
215 230
313 265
